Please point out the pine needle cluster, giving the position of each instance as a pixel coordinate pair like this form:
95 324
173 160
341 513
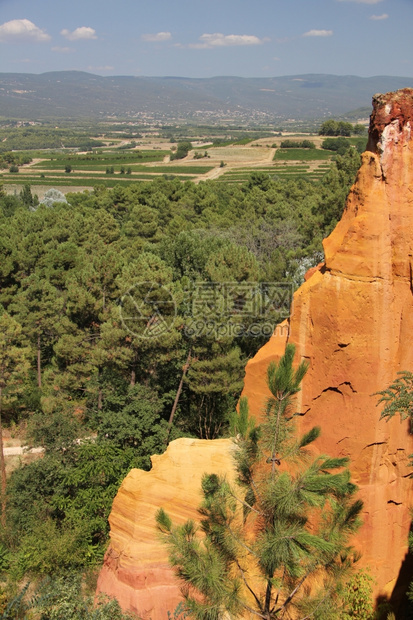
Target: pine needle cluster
398 397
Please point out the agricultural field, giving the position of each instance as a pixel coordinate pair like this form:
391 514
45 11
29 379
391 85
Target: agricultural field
126 157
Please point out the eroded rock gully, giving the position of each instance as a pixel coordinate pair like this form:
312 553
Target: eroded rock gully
353 320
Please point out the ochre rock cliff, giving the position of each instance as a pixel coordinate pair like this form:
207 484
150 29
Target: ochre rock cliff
135 569
353 321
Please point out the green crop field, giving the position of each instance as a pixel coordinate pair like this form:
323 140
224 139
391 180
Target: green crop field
279 171
301 155
184 169
83 182
99 161
121 166
80 178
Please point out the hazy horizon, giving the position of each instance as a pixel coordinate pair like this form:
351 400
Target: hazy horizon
211 77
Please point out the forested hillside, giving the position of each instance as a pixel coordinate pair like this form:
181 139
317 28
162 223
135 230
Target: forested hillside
127 317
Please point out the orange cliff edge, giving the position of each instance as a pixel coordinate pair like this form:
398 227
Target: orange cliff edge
353 321
136 570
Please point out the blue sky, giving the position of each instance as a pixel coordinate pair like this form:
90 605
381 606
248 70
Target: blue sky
205 38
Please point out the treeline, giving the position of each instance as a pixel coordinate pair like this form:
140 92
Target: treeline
340 128
182 150
32 138
131 314
9 159
297 144
340 145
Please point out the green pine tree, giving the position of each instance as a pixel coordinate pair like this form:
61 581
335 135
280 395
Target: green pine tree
275 545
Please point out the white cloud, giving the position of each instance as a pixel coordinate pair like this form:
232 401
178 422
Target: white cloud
379 17
318 33
84 32
210 41
22 29
155 38
362 1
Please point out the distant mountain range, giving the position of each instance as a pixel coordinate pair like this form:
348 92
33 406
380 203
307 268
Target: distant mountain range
75 94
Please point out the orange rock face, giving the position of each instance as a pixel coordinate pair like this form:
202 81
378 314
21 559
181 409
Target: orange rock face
136 570
353 321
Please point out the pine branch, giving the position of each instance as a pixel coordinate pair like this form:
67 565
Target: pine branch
241 543
254 611
256 489
246 504
279 590
318 604
257 600
398 397
292 594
